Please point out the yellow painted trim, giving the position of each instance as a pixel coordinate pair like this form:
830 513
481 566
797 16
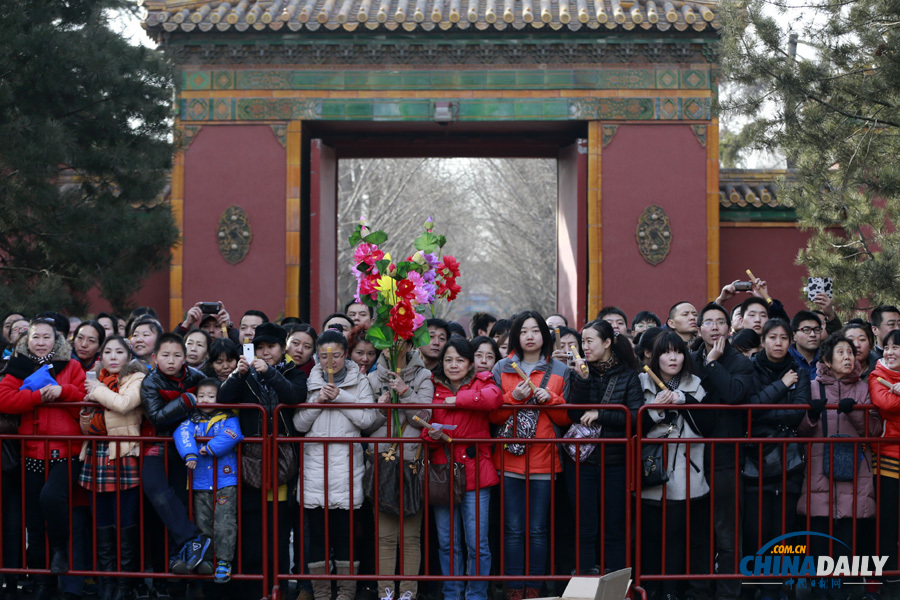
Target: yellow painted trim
759 224
176 274
292 219
712 210
595 220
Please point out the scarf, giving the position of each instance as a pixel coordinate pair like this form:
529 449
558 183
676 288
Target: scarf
604 367
109 380
673 383
42 360
777 369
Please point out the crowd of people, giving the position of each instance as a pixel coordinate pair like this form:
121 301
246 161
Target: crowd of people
515 380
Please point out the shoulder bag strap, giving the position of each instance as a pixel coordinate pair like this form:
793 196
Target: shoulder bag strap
824 416
610 388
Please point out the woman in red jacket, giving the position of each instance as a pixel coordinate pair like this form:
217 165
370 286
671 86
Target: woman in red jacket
456 383
887 456
528 469
44 416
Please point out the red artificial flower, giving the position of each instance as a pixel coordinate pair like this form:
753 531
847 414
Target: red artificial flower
449 289
402 320
367 286
406 289
450 264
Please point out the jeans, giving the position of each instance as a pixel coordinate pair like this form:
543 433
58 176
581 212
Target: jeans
167 504
600 487
536 515
476 538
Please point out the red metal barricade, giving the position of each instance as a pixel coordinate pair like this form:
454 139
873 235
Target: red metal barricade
564 521
715 570
74 491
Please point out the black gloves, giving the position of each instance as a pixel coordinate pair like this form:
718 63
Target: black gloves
845 405
816 408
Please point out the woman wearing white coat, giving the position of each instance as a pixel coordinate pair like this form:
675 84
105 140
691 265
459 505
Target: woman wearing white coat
336 487
686 492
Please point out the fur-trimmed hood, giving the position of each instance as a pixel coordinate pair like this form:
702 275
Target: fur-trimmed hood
133 366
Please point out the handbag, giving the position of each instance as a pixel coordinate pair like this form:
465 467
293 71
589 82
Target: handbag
389 476
773 463
578 431
446 481
653 465
522 423
251 464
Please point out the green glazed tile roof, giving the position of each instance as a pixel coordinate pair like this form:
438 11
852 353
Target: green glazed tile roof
753 188
411 15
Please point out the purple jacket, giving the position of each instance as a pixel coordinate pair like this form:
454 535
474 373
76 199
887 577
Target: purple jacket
854 425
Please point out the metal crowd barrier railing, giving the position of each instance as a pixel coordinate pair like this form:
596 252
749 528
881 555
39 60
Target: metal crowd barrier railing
564 521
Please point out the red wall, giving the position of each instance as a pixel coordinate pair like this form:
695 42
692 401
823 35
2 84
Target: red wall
768 252
242 165
154 292
663 165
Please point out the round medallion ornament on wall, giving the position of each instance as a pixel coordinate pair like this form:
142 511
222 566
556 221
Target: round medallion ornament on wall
234 234
653 234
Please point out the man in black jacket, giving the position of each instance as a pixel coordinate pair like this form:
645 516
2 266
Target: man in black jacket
727 377
167 395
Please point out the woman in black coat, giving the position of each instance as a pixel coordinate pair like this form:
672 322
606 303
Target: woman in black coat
778 379
611 364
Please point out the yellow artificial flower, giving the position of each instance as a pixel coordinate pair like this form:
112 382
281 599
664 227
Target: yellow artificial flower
387 287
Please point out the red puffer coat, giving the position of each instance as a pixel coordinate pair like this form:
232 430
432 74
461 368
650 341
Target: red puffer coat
41 420
475 398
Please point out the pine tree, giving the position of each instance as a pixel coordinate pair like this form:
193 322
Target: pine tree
832 110
84 154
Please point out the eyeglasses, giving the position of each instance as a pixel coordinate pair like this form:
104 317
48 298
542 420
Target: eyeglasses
808 330
716 323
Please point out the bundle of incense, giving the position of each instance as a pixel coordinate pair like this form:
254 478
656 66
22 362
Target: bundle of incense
224 330
574 349
430 427
558 341
885 382
753 280
655 379
524 377
330 366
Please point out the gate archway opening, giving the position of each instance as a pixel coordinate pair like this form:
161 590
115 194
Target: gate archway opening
520 229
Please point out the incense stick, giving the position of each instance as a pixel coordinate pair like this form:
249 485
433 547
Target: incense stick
656 379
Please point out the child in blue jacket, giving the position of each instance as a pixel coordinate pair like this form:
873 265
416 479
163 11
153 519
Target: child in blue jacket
214 467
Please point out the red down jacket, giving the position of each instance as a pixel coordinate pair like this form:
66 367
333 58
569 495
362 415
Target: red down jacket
45 420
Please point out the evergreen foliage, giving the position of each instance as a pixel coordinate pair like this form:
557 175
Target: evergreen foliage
77 99
833 112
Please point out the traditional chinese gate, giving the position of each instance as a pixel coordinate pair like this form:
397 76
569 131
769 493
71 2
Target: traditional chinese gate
272 93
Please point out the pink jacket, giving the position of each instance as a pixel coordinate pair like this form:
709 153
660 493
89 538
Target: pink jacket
823 502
